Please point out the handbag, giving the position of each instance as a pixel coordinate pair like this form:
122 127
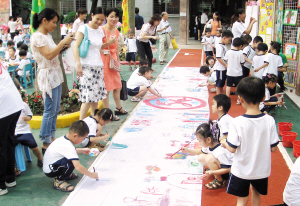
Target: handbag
174 44
113 64
123 92
84 45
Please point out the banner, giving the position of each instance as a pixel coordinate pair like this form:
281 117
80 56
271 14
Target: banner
4 11
125 20
279 25
37 6
266 21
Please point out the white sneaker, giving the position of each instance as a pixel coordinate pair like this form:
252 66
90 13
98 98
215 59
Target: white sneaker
12 184
135 99
3 192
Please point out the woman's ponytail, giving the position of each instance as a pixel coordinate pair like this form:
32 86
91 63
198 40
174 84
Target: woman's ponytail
35 21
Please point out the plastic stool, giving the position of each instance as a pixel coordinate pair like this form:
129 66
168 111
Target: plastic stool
20 156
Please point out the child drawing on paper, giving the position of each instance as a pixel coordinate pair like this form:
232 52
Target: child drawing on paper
95 124
212 155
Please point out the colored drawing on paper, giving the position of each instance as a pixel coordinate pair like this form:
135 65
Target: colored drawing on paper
174 102
186 181
140 122
178 155
132 129
118 146
151 191
151 169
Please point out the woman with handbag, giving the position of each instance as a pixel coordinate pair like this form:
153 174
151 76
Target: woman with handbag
148 33
111 61
89 66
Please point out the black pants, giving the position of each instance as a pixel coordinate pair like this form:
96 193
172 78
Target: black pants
270 107
246 71
144 49
7 148
61 169
201 29
12 35
281 81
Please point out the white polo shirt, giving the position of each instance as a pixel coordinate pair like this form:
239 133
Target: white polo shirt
221 50
250 53
136 80
131 45
235 59
217 40
275 62
258 61
223 155
92 124
224 123
210 40
163 24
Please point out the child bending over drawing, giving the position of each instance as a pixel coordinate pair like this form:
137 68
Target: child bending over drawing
212 155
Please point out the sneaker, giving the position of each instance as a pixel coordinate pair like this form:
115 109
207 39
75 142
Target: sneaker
40 163
3 192
135 99
12 184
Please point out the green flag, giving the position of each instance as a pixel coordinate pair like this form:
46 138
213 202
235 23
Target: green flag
37 6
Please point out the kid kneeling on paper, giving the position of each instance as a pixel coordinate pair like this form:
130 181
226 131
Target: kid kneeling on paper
61 157
95 124
221 104
138 84
251 137
205 71
212 155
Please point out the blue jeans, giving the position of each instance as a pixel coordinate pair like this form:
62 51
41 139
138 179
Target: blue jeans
51 109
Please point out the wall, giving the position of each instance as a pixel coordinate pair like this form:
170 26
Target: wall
146 8
174 22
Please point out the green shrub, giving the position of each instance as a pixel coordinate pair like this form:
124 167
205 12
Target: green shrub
70 17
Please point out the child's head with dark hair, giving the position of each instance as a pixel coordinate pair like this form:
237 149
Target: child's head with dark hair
227 36
208 32
12 52
204 70
17 32
238 43
257 40
219 32
210 61
47 14
131 34
275 47
19 44
248 38
262 47
10 43
245 44
22 53
221 103
251 90
208 133
24 47
144 62
146 71
270 80
137 10
104 116
78 131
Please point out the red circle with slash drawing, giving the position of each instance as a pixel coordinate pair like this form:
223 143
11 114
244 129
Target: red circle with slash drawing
176 103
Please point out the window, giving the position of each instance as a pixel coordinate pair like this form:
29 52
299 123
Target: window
72 5
170 6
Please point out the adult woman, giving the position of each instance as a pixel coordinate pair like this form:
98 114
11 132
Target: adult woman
50 75
112 78
238 26
90 69
11 106
79 19
12 25
214 24
148 32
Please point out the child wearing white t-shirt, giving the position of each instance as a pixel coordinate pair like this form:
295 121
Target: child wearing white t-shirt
210 62
259 59
217 39
208 42
138 84
212 155
23 62
131 50
61 157
25 47
251 137
235 59
95 124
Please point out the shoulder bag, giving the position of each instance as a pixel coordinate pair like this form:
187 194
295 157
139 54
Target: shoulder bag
85 44
113 64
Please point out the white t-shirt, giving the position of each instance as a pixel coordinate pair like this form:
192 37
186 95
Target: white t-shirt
238 29
220 153
17 39
29 55
275 61
12 25
63 30
221 50
3 37
235 59
217 40
131 45
252 136
204 18
59 149
162 25
22 66
92 124
13 60
250 53
210 40
23 127
136 80
262 104
291 191
258 60
224 124
10 98
95 36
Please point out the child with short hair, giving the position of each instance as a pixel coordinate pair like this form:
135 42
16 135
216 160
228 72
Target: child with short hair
205 71
208 41
18 37
221 104
212 155
247 38
131 49
235 59
2 49
19 44
12 55
138 84
249 52
22 132
25 47
10 44
259 59
23 62
61 157
220 65
95 123
217 39
251 137
210 62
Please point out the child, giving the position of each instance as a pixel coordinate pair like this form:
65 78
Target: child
12 55
270 102
210 62
61 157
220 65
2 49
25 47
208 41
220 106
280 72
138 84
131 49
259 59
235 59
25 34
249 52
19 44
22 132
251 137
10 44
247 38
3 35
212 155
18 37
217 39
95 124
24 61
205 71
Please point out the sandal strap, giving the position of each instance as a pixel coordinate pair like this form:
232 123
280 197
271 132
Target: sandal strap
119 109
66 187
57 184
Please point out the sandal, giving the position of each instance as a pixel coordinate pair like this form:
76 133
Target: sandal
40 163
72 176
17 171
115 118
165 61
215 184
161 63
64 188
118 112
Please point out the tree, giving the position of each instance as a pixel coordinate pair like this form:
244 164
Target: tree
21 5
131 14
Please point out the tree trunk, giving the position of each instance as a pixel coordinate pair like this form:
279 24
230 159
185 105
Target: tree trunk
55 5
131 14
94 5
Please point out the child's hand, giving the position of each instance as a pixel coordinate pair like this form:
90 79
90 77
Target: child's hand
94 175
279 102
223 143
255 70
185 150
278 95
86 151
26 118
159 95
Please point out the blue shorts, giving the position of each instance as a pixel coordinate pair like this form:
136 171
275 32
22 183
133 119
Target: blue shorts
133 92
221 78
130 56
233 80
240 187
26 140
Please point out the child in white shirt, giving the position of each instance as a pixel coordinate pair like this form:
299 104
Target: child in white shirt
205 71
259 59
10 44
19 44
3 50
138 84
25 47
24 61
235 59
18 37
12 55
217 39
208 42
131 50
